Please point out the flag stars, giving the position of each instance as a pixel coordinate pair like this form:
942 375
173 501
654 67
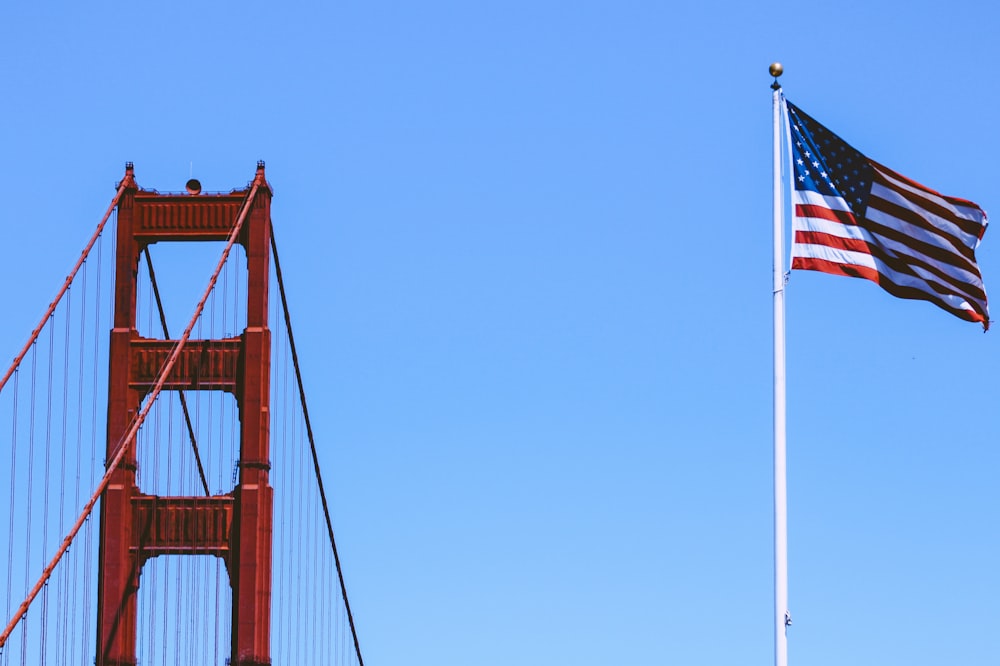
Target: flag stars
824 164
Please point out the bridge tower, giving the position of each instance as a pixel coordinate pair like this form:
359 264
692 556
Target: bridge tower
236 526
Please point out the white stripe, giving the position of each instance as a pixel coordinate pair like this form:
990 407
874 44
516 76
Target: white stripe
835 255
954 258
825 226
971 212
810 198
819 225
919 282
946 227
904 252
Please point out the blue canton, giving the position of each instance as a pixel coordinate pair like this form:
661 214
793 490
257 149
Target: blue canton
825 163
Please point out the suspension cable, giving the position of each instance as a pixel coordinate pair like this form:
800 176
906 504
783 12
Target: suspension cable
66 284
312 447
123 443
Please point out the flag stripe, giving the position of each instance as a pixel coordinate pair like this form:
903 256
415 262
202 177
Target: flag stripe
885 230
832 241
918 223
936 278
809 197
896 245
966 208
959 221
859 264
812 210
900 291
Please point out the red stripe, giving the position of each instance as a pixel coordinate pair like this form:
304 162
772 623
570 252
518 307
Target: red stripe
895 257
903 264
952 200
916 219
965 260
849 270
835 268
971 227
829 240
824 213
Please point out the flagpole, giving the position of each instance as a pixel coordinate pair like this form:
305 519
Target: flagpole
781 616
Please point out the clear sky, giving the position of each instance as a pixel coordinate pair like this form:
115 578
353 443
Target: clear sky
528 250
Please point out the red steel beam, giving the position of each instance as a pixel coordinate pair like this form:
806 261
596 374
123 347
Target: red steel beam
202 365
182 526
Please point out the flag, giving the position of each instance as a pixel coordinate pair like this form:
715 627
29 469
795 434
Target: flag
855 217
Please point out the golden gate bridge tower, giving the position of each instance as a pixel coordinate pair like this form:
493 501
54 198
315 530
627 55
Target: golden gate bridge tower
207 537
236 526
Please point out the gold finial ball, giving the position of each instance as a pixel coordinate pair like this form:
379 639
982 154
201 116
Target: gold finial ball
776 69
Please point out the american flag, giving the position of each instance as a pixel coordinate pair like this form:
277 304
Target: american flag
855 217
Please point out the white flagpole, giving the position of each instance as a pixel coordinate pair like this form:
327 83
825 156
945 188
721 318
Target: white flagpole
781 616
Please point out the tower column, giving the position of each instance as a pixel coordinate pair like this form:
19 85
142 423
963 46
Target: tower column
135 526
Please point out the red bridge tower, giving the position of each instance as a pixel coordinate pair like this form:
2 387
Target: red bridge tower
237 526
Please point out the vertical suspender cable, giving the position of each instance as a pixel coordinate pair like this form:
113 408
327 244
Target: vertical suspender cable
31 478
284 627
70 609
47 488
13 487
88 533
63 601
312 447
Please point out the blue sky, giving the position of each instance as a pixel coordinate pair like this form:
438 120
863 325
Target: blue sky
528 249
